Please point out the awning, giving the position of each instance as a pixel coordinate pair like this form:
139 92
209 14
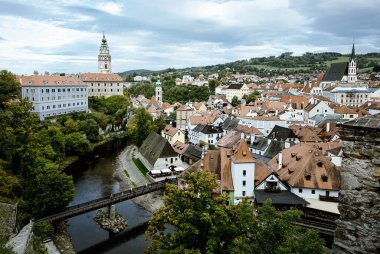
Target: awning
155 172
179 169
166 170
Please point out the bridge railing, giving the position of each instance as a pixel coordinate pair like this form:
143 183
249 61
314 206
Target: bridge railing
106 201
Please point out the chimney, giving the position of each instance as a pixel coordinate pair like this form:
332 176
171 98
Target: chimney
328 127
242 135
279 160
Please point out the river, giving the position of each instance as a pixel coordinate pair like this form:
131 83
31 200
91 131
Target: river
94 178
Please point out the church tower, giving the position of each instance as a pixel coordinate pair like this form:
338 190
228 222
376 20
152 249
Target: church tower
352 67
104 57
159 92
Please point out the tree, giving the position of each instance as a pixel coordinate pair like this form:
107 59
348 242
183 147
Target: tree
193 220
273 232
48 190
212 84
251 97
76 144
9 87
141 125
200 221
235 101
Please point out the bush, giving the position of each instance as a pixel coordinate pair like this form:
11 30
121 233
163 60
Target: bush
43 229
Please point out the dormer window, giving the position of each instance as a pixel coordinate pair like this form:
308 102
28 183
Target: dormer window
324 178
293 154
244 153
319 164
290 170
307 176
298 157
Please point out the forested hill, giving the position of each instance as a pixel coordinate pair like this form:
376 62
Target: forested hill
286 63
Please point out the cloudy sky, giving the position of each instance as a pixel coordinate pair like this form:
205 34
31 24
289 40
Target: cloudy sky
65 35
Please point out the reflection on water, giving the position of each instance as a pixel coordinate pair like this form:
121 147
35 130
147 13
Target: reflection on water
93 178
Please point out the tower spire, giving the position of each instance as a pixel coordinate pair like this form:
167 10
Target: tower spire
104 57
353 50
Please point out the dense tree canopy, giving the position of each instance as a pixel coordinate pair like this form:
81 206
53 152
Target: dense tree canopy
9 87
235 101
193 220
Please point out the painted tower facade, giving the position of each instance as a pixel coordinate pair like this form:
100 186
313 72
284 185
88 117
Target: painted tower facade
351 77
104 57
159 92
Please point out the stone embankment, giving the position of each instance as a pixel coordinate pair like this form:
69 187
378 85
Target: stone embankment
358 228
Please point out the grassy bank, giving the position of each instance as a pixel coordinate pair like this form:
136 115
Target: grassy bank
140 166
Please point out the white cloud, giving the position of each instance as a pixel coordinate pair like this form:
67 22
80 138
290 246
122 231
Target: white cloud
110 7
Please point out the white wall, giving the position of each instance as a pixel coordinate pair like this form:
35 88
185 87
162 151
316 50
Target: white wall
307 193
272 178
103 88
162 163
238 178
56 100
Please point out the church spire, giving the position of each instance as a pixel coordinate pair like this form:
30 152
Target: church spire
353 51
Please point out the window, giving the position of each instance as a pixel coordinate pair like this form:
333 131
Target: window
243 193
312 191
243 183
300 190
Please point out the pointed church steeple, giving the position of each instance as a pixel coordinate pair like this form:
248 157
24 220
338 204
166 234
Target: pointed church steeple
104 57
351 77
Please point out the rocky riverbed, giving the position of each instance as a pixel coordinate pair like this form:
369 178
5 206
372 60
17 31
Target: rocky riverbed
115 225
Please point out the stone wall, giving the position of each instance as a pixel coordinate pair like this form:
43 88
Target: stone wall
358 228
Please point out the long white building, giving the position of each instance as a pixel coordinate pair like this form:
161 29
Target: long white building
54 95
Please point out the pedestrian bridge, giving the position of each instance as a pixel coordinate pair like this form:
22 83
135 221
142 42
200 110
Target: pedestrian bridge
92 205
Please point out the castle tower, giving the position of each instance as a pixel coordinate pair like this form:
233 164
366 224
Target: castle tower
352 67
159 92
104 57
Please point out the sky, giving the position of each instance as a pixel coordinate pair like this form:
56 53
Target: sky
65 35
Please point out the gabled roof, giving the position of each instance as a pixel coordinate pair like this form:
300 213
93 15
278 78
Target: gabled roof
279 198
336 72
261 172
241 153
275 147
156 146
235 86
230 123
170 131
229 140
193 152
104 77
180 147
281 133
306 166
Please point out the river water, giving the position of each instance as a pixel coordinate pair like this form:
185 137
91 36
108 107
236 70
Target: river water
94 178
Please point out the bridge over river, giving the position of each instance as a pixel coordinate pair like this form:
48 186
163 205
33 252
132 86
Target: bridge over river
92 205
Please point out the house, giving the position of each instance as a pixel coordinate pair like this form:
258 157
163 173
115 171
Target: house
353 94
189 153
173 135
156 153
103 84
283 134
264 124
307 171
54 95
236 89
183 114
320 107
346 112
216 101
205 134
271 187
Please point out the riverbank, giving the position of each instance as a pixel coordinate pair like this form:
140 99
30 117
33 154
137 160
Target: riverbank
150 202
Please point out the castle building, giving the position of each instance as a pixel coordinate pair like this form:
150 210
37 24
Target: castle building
54 95
105 83
104 57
